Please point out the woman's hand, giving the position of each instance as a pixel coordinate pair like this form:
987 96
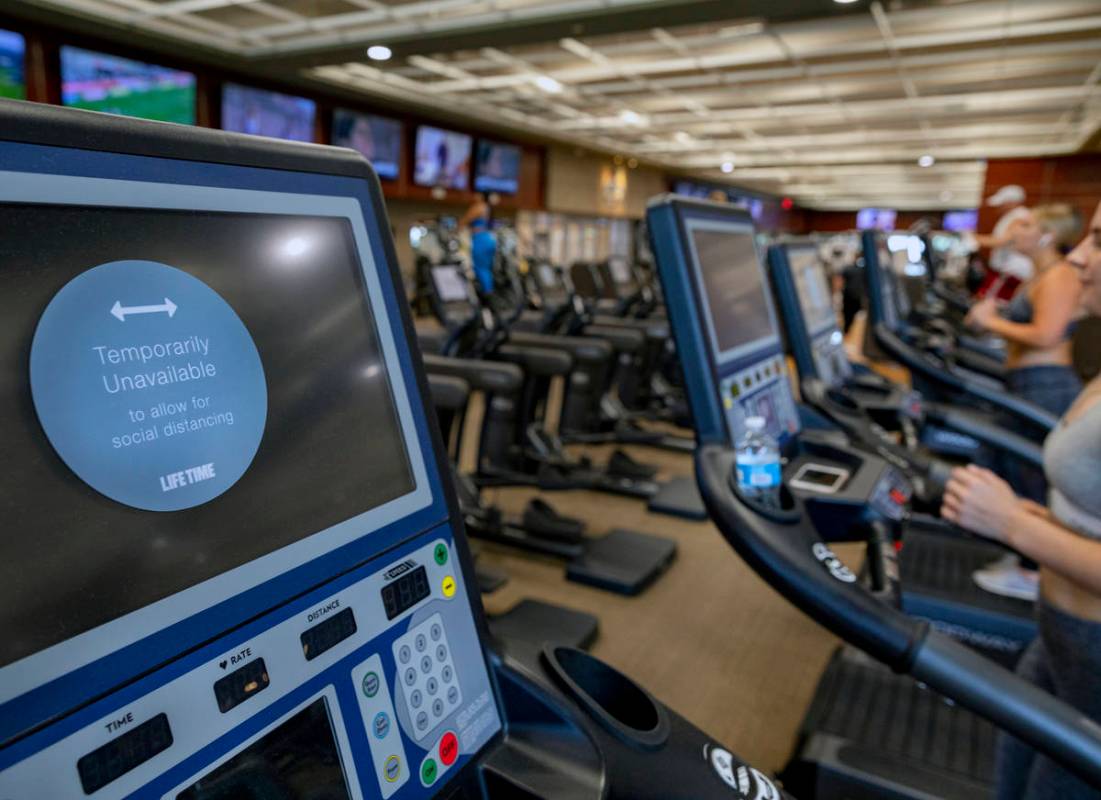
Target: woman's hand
982 313
980 501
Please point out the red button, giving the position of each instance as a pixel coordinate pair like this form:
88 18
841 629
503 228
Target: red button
449 749
898 496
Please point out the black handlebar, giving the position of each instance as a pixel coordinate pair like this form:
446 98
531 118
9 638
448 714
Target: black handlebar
783 548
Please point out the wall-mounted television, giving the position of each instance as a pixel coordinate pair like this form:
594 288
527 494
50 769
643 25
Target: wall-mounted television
13 84
876 219
378 139
442 158
497 167
103 82
264 113
965 220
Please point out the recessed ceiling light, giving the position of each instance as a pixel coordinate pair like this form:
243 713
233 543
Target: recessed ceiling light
630 117
844 2
379 52
682 137
548 84
727 166
926 161
946 195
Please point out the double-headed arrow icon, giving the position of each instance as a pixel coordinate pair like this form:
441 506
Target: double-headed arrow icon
121 312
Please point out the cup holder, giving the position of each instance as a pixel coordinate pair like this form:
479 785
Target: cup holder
620 705
788 513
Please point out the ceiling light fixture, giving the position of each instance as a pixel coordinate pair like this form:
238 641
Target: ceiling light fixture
926 161
727 166
379 52
844 2
630 117
683 137
946 195
548 84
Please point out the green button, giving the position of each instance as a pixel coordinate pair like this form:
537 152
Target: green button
370 684
428 771
441 554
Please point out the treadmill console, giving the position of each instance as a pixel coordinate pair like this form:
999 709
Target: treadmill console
230 567
726 313
812 290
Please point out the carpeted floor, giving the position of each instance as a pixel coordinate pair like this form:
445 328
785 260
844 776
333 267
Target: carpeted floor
709 638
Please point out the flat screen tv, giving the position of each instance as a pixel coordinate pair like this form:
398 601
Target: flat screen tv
442 158
497 167
264 113
102 82
961 220
12 53
378 139
876 219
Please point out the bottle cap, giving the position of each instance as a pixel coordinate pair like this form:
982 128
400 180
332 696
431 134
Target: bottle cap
755 424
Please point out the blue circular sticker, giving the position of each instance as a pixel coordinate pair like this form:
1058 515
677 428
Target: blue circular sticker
148 385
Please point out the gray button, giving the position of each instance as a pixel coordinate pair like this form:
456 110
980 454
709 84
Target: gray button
404 654
447 673
441 653
426 665
410 676
416 698
422 720
453 695
437 707
431 686
421 643
436 631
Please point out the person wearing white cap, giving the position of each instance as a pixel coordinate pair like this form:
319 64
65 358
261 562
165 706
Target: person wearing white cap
1010 267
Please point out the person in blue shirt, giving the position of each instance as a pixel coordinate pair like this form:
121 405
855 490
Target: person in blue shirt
483 244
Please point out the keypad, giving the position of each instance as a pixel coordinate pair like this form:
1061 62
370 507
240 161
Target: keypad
429 683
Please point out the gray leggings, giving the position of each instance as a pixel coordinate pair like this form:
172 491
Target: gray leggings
1065 660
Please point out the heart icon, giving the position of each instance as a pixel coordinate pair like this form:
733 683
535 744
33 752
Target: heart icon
222 664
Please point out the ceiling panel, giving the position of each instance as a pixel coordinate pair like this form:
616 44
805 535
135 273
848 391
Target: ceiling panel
833 109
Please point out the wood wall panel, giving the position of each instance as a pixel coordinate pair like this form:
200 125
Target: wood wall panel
1058 179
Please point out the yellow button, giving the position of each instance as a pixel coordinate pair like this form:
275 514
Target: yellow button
448 586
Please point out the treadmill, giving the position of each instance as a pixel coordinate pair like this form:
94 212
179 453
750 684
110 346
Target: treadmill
872 732
282 606
932 357
936 559
897 741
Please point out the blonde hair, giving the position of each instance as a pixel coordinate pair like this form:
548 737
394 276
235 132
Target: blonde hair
1063 221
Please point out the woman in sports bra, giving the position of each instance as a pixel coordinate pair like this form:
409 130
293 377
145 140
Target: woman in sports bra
1064 537
1037 324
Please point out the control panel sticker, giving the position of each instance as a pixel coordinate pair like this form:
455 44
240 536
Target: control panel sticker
148 385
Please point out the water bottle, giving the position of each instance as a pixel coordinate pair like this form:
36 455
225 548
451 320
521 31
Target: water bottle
758 464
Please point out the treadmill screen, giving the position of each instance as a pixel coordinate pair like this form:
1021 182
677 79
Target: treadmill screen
298 760
175 407
450 284
737 307
815 298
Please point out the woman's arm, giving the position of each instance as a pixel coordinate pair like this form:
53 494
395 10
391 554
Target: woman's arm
1055 304
980 501
476 210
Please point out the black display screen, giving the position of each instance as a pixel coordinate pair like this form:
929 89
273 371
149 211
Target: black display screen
733 287
332 446
328 634
119 756
241 684
298 760
405 592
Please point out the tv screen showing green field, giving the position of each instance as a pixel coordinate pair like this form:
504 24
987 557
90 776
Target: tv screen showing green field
12 48
102 82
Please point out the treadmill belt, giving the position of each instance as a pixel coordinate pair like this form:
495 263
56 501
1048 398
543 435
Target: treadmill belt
871 728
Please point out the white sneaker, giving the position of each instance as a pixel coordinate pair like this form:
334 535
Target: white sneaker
1009 579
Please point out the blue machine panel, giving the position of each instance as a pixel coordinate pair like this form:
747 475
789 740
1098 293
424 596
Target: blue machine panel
723 317
804 293
306 625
